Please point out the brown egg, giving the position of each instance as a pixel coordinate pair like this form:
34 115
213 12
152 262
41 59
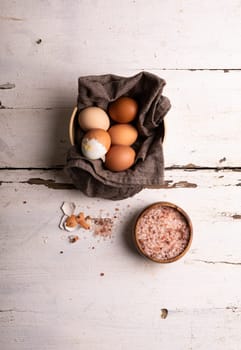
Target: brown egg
119 158
123 110
123 134
93 118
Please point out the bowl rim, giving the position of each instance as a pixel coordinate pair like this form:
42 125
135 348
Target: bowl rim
182 212
71 125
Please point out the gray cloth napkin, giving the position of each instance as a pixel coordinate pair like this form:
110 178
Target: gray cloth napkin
90 176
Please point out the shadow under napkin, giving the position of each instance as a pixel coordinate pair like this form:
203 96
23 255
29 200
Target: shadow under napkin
90 176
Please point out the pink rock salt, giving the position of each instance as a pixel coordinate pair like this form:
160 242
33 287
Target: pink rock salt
162 233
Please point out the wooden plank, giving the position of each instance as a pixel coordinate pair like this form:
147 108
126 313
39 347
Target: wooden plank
100 294
192 91
202 128
174 178
100 37
45 59
189 189
34 138
110 296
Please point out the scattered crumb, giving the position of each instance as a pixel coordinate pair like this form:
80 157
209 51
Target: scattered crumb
103 227
222 160
92 247
24 202
102 274
73 238
61 252
164 313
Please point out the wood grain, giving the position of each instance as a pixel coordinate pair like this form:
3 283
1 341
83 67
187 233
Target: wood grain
70 295
99 294
202 128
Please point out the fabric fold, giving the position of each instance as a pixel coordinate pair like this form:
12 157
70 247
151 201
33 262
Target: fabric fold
90 176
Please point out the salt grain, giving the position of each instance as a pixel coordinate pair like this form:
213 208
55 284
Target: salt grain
103 227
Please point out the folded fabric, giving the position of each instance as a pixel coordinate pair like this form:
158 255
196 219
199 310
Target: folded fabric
91 176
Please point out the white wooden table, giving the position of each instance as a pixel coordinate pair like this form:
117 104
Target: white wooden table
100 294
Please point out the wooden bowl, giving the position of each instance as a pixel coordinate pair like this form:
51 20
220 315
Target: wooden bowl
72 126
152 240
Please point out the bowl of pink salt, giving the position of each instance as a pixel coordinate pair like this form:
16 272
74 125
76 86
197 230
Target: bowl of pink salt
163 232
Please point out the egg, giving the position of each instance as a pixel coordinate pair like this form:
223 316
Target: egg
123 110
93 118
119 158
95 143
123 134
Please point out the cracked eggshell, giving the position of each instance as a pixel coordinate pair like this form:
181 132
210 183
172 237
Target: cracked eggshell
62 221
70 229
95 144
71 224
68 208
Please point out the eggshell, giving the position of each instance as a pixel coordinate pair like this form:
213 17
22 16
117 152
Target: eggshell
123 134
95 143
93 118
123 110
71 224
68 208
119 158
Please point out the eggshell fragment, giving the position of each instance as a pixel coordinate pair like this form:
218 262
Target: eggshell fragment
93 117
62 222
68 208
120 158
123 134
